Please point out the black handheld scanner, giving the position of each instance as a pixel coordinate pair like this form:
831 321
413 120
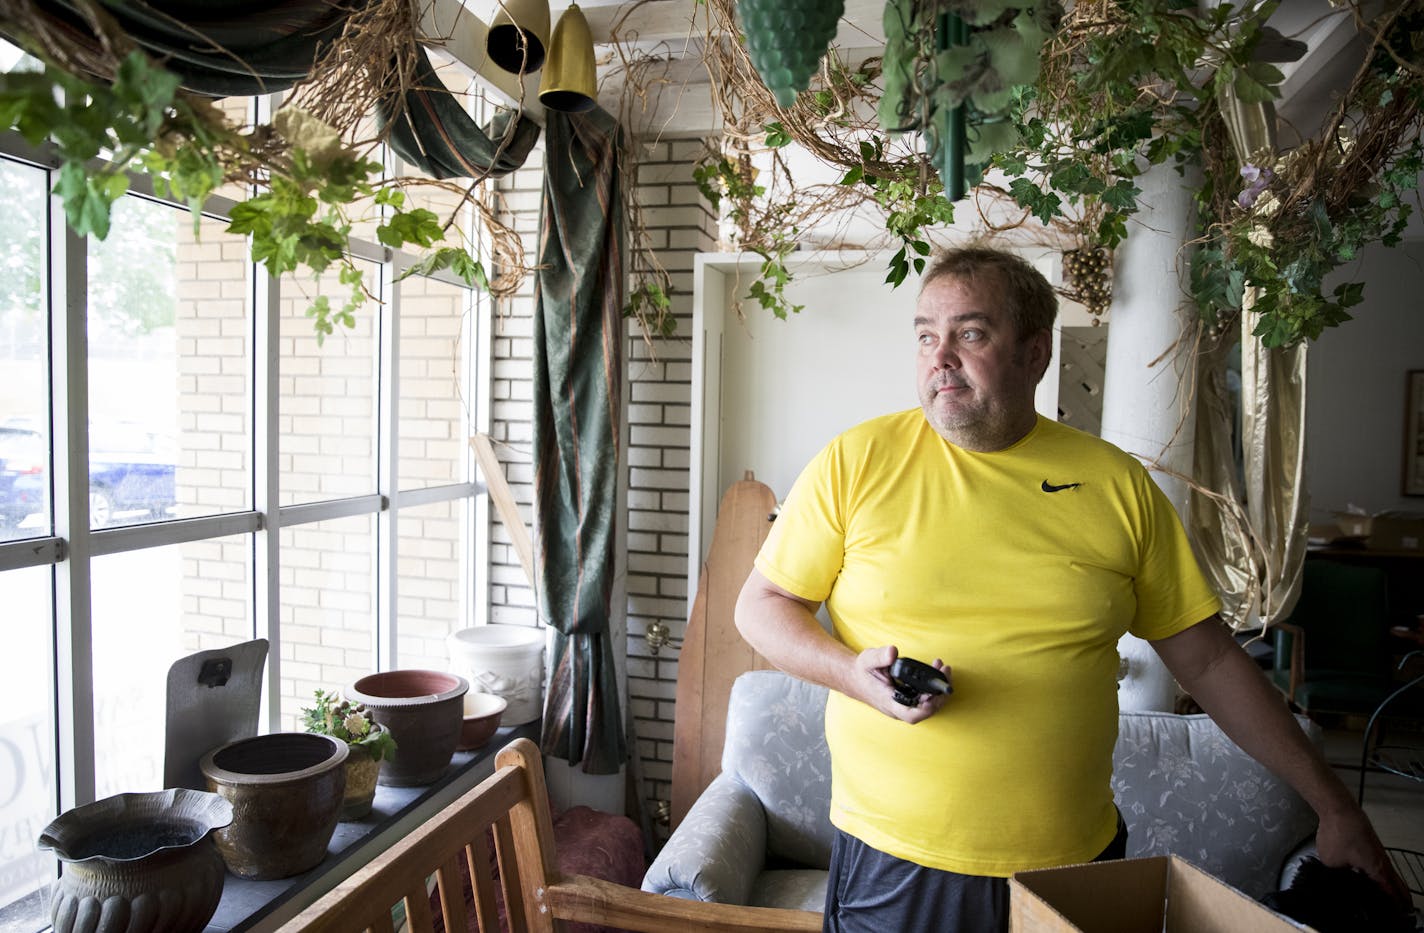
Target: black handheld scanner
912 678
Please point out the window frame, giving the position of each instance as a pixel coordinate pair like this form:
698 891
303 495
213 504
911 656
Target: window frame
73 545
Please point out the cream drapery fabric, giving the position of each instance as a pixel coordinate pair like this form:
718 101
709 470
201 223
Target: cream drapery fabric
1250 520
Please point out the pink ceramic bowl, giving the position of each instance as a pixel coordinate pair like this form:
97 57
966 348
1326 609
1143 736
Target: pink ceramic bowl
482 714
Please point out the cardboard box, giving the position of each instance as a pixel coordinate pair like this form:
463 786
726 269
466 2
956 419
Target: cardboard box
1397 531
1145 895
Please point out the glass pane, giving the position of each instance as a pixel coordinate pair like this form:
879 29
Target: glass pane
328 619
433 586
150 608
328 394
27 739
436 407
169 360
24 354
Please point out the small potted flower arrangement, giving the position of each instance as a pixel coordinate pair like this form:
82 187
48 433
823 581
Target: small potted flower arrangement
370 744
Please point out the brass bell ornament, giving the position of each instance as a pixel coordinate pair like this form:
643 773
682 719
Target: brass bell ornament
519 35
570 80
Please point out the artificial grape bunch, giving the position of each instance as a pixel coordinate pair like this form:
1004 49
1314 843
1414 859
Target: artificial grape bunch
786 40
1089 276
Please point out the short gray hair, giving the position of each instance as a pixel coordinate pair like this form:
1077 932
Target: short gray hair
1032 304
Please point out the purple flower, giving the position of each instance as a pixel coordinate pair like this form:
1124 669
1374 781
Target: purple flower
1257 178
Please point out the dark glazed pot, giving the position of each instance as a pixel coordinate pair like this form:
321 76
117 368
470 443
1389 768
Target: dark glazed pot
286 791
424 711
135 863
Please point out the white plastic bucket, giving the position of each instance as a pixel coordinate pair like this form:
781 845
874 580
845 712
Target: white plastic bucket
506 660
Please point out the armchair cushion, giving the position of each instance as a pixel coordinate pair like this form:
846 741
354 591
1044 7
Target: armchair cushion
776 746
1184 788
718 850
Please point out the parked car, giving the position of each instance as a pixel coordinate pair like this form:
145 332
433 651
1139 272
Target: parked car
131 469
22 454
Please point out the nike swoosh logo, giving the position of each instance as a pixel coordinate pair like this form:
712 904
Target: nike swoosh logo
1049 488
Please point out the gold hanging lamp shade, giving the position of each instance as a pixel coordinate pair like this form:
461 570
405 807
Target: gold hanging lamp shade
570 80
519 35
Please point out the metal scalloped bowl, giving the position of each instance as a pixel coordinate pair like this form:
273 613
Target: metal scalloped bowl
138 862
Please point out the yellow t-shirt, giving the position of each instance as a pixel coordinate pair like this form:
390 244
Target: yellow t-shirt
1023 592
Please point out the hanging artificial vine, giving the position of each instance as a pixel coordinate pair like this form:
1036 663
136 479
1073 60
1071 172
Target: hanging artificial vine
1123 85
1122 89
1283 222
107 110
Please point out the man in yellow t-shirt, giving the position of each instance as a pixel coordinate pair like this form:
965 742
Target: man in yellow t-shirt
1014 552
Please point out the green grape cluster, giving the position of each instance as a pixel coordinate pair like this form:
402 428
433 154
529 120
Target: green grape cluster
786 39
1089 275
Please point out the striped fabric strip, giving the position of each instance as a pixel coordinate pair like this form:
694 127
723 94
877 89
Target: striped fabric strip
577 373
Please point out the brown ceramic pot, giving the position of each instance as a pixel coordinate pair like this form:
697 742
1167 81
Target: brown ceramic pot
286 791
424 712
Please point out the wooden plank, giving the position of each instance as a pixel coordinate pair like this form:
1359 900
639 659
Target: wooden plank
510 879
713 651
594 900
452 893
503 500
477 856
417 910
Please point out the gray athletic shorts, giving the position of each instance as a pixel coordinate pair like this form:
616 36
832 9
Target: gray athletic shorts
871 892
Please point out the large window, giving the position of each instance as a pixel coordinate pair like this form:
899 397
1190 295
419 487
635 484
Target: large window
183 467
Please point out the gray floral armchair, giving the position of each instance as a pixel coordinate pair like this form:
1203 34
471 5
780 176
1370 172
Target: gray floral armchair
760 834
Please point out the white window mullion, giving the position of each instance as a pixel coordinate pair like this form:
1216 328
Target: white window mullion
266 492
388 430
69 382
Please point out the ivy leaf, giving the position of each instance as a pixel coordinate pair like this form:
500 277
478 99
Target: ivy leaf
88 198
1122 196
470 270
1045 205
776 135
899 268
419 226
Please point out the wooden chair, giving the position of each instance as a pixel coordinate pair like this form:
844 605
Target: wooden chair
514 802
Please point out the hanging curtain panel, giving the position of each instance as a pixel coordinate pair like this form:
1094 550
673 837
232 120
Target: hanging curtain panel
219 48
577 373
430 129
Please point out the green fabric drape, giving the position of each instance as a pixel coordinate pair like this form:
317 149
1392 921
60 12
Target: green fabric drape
577 373
431 130
221 48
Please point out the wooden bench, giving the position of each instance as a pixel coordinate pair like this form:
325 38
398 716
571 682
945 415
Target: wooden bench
513 803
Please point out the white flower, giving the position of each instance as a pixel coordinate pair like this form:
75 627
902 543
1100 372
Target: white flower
305 131
1260 236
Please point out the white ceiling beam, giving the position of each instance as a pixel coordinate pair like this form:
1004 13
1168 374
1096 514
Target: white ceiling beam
654 21
448 25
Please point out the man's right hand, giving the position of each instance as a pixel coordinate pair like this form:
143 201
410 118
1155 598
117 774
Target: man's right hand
875 688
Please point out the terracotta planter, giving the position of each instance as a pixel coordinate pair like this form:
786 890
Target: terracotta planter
286 792
361 773
423 710
483 712
136 863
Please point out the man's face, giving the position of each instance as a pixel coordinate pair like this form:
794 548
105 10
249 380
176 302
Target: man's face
976 378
